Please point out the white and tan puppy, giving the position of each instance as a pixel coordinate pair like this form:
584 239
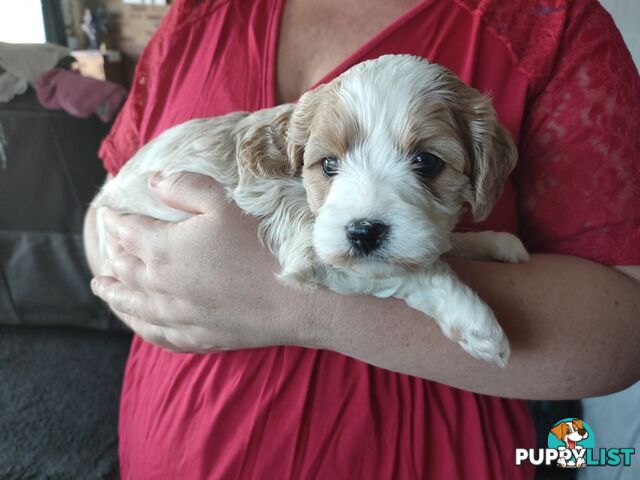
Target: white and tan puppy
358 187
570 433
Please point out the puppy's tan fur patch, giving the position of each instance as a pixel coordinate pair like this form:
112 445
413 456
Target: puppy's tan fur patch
449 119
323 127
262 149
459 125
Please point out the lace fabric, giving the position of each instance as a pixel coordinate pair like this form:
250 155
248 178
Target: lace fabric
578 180
577 177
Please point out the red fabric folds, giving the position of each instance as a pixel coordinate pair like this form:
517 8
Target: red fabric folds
564 85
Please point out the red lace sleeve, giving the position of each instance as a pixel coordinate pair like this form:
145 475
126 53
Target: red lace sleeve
579 172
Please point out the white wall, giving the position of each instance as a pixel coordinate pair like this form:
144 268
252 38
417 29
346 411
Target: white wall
21 21
626 14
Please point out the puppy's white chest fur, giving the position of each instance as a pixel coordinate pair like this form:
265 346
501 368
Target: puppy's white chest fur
382 184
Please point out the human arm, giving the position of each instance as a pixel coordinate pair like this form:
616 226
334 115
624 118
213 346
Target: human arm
568 336
574 324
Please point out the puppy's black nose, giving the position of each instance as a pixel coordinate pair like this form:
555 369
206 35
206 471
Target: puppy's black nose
366 235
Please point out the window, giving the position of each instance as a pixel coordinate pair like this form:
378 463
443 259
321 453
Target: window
21 21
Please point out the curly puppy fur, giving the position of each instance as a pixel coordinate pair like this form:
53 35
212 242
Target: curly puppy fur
376 122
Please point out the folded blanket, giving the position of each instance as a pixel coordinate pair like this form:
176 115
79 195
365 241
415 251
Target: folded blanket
10 86
79 96
27 61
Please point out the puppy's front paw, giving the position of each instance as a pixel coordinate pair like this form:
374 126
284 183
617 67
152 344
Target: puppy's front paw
460 313
507 248
489 245
484 338
303 279
491 347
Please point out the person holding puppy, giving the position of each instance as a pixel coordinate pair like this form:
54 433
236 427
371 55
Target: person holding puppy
287 384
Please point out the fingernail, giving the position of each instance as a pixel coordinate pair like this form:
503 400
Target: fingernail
155 179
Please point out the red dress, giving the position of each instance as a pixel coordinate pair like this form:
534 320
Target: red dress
565 86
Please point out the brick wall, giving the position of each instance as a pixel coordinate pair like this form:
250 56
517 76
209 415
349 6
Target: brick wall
134 24
131 25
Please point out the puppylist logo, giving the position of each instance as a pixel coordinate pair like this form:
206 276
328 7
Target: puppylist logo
571 444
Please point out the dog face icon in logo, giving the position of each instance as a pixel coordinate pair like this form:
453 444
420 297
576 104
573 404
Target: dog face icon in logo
570 437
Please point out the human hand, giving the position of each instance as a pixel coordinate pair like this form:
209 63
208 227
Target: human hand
199 285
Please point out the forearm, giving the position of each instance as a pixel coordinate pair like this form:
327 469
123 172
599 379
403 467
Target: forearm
574 325
574 328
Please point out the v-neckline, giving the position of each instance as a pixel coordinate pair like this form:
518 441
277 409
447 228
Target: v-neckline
271 87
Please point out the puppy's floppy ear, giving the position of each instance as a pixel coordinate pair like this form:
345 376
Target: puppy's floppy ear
300 123
261 144
492 151
558 431
578 424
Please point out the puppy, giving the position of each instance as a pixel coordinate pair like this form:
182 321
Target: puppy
571 433
358 187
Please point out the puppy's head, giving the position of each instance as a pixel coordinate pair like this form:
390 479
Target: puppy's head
572 431
390 152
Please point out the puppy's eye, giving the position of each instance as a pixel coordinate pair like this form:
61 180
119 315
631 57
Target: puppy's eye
330 166
427 164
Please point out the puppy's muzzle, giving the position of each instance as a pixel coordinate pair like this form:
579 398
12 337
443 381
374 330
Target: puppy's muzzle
366 235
